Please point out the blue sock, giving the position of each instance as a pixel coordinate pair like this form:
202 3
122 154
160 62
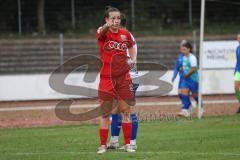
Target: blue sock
114 125
180 97
196 99
186 101
119 124
134 126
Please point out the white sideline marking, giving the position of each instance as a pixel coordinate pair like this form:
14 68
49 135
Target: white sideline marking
95 105
138 152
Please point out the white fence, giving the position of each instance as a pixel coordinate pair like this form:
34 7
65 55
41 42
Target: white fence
36 87
218 63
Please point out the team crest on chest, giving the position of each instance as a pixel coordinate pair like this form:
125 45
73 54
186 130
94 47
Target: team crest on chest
123 37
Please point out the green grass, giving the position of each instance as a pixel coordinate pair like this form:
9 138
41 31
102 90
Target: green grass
210 138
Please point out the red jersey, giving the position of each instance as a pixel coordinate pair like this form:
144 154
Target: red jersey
113 52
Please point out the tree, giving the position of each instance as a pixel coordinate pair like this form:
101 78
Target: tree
41 16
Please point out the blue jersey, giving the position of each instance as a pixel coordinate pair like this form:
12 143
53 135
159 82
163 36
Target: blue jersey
178 67
189 62
237 68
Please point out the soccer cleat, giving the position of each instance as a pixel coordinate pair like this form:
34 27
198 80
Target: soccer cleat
112 145
122 148
129 148
184 113
102 149
133 147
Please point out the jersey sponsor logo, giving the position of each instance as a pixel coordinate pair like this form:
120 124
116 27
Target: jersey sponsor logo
113 45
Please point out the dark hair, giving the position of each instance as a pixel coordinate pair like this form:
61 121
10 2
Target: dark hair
123 20
109 9
188 45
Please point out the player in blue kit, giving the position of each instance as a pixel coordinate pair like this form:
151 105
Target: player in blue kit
189 79
178 70
237 72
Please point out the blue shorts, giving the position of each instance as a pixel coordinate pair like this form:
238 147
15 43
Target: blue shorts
182 83
189 84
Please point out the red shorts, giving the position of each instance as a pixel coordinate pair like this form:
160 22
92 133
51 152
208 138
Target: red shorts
111 88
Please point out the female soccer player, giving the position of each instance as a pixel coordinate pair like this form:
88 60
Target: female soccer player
115 80
116 117
237 72
190 77
178 70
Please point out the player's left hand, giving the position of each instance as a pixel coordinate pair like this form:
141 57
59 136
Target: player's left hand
132 62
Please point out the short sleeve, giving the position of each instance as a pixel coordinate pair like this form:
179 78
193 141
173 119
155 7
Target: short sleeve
129 39
134 42
193 61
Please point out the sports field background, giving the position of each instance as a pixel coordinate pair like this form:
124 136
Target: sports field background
182 139
38 36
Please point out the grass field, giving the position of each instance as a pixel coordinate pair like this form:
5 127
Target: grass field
210 138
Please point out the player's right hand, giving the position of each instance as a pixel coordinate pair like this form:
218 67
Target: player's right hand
110 23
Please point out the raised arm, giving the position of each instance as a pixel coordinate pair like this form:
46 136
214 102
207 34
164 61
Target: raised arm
104 29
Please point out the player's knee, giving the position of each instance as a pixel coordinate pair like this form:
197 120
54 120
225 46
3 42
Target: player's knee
126 115
115 110
195 96
132 102
104 122
124 108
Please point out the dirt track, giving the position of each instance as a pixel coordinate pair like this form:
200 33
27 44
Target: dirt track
42 113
